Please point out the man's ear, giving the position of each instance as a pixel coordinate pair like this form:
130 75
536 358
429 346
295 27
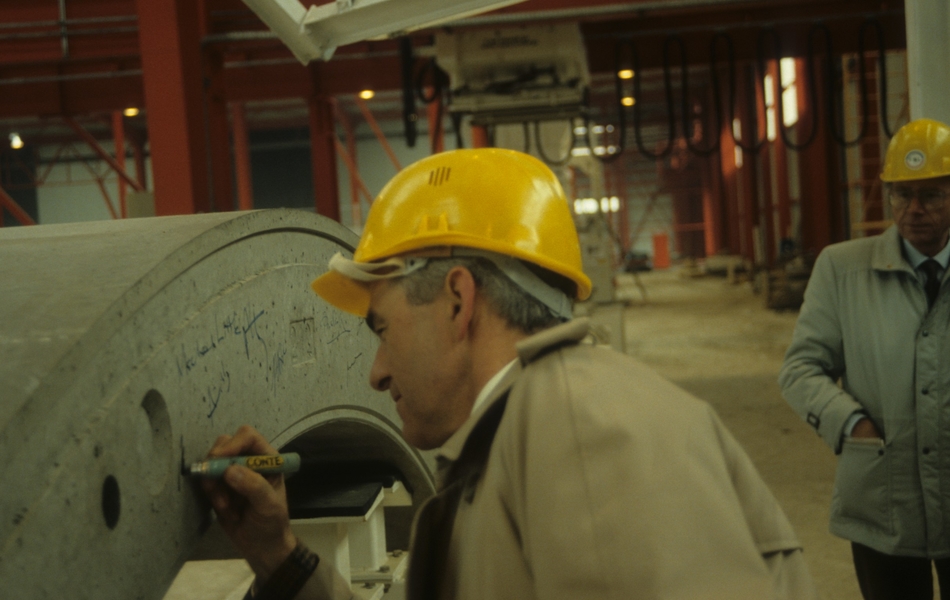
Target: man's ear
460 288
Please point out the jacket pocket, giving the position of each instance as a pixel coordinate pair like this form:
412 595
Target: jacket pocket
862 485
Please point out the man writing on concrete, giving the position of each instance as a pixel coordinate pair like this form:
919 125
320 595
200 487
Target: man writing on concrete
876 317
565 470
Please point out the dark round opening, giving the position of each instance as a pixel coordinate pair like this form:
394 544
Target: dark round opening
110 501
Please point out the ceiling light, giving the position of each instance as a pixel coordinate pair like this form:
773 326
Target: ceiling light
628 101
625 74
16 142
130 111
367 94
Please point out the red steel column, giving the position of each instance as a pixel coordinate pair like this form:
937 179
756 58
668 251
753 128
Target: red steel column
748 190
780 163
242 158
323 152
729 189
118 138
170 46
712 205
479 136
435 115
816 172
764 164
219 133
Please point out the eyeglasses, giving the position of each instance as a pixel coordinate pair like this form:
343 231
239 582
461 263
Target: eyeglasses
901 197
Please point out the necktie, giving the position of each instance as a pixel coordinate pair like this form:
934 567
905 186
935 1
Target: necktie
930 267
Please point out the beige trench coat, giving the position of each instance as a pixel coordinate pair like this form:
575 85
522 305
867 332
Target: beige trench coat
585 475
604 481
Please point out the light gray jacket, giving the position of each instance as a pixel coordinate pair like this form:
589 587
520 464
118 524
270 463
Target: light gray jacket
865 321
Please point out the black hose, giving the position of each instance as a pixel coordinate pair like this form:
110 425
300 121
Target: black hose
409 116
670 111
881 69
754 125
831 82
684 99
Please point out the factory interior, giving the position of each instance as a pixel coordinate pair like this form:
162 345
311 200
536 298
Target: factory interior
166 165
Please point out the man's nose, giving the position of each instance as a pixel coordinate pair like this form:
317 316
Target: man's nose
916 205
379 377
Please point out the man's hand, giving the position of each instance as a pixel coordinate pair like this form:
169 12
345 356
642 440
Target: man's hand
865 429
251 508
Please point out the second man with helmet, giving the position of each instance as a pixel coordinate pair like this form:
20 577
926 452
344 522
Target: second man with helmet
868 369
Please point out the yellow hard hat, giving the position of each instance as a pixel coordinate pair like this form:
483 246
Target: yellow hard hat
489 199
919 150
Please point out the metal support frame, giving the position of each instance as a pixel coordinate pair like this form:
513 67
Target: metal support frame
242 157
356 211
105 197
371 120
353 170
170 45
101 152
11 205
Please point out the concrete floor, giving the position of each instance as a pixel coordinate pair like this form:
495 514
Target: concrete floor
719 342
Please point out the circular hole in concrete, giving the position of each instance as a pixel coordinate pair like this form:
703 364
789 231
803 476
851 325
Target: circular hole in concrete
155 441
110 501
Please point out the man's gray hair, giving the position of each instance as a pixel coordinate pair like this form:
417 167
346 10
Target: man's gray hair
518 308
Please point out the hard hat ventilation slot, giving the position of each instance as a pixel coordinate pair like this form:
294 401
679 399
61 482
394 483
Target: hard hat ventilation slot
439 176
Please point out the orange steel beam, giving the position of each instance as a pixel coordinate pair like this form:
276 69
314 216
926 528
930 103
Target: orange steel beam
170 45
7 202
368 115
242 157
354 172
106 198
101 152
118 135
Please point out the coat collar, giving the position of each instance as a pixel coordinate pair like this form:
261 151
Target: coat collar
886 254
528 349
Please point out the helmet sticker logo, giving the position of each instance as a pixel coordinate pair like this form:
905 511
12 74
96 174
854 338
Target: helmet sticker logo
915 159
439 176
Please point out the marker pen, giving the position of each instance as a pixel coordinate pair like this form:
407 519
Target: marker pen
265 465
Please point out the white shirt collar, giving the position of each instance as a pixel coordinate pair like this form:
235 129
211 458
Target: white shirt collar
492 383
917 257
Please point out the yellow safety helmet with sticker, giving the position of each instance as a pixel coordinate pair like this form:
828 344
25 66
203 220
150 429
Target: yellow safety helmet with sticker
919 150
490 201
